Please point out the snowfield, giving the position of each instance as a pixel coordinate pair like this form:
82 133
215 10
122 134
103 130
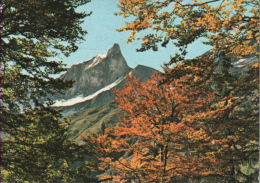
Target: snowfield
80 98
243 62
99 58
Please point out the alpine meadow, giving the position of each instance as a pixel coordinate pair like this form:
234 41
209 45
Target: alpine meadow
197 121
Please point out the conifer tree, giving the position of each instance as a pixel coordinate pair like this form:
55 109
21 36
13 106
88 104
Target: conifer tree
33 139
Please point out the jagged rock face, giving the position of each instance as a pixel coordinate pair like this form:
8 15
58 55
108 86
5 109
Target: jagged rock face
93 80
96 73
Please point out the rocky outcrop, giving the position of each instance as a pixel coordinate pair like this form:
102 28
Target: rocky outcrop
96 73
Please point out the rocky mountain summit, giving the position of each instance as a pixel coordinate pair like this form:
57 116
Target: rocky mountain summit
94 78
96 73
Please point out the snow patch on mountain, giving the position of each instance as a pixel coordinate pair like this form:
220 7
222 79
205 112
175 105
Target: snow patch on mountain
97 60
102 55
80 98
82 62
245 61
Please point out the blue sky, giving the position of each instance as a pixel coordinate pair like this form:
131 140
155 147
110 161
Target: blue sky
102 35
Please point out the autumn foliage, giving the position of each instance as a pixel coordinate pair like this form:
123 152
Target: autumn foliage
227 25
178 128
191 121
155 129
231 127
230 123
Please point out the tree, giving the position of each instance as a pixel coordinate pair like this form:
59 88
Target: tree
33 136
153 130
228 25
232 129
232 28
41 153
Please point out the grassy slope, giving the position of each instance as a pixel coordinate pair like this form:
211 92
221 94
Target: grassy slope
90 120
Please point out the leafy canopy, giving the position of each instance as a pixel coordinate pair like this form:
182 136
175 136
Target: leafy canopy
153 130
228 25
34 144
226 130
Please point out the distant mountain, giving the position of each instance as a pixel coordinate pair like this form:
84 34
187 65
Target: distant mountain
96 73
90 99
93 80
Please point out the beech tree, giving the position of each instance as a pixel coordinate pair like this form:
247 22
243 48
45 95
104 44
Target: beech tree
179 129
224 130
153 130
33 139
232 129
228 25
232 28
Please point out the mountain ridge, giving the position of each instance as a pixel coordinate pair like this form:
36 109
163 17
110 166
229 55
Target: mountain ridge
94 78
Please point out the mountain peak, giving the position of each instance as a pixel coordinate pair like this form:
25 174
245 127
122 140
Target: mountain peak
96 73
115 49
144 72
